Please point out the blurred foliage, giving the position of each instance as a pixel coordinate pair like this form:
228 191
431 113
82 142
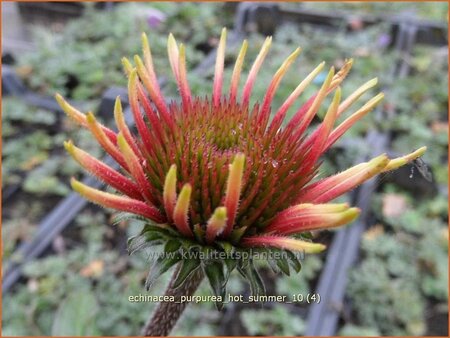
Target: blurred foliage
409 257
53 281
357 331
433 10
33 155
421 100
85 58
275 321
404 265
300 283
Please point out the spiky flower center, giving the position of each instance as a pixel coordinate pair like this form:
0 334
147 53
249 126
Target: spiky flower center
206 139
223 128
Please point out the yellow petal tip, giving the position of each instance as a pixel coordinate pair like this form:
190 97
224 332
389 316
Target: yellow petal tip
90 117
318 248
68 145
76 185
220 213
127 66
419 152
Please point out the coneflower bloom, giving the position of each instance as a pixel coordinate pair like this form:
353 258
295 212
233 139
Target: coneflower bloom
216 174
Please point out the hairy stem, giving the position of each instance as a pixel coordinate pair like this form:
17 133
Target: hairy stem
167 313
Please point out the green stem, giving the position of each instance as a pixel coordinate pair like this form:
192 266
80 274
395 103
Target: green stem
167 313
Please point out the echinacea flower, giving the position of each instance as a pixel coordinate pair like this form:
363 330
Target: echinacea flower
216 174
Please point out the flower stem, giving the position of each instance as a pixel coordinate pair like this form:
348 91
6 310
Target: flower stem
167 313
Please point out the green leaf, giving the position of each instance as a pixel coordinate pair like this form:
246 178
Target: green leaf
119 217
161 265
187 268
304 235
151 237
153 234
252 276
227 247
189 245
199 233
230 265
245 261
214 273
76 316
137 243
294 261
162 228
237 234
283 265
172 246
273 266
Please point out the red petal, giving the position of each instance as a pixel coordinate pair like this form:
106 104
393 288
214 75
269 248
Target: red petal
331 187
104 172
117 202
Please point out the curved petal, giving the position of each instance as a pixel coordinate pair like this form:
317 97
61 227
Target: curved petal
283 243
183 84
104 141
216 224
323 131
303 117
181 212
170 191
156 96
312 218
281 113
237 72
271 90
218 70
123 128
329 188
135 90
248 87
136 169
103 172
80 118
400 161
117 202
233 192
356 95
